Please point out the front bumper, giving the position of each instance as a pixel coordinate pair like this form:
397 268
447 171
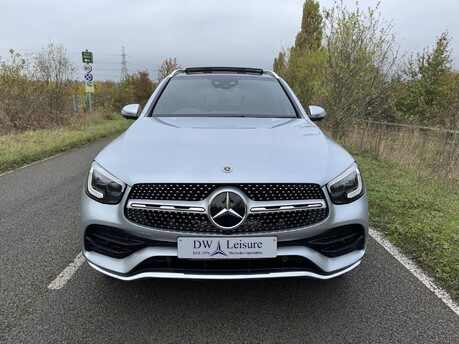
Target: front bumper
160 261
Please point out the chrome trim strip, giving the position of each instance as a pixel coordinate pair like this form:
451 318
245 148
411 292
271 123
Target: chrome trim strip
167 208
202 206
277 208
224 277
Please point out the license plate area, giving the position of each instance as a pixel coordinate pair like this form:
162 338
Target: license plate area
226 247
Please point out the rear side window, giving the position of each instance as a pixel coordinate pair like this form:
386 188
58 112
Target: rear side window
223 95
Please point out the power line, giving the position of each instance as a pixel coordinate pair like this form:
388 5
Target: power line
103 62
123 65
108 70
142 63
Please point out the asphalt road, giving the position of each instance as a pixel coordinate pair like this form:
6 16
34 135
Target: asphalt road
379 302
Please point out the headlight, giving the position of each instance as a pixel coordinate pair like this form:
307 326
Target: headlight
102 186
347 187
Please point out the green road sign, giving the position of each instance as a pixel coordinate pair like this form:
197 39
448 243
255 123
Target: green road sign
87 56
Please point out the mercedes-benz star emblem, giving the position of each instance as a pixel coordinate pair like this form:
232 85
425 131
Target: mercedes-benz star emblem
227 210
227 169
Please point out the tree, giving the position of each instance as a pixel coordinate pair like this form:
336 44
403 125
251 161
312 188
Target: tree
280 63
426 92
21 98
55 69
447 102
360 57
302 65
167 67
135 88
310 36
140 86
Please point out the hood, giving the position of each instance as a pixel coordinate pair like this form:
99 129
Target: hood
195 150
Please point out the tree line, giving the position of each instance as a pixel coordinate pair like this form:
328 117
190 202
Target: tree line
33 87
38 90
348 61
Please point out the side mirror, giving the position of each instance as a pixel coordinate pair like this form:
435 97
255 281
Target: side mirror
131 111
316 113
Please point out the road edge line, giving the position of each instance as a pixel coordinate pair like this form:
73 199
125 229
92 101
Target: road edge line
31 164
415 270
67 273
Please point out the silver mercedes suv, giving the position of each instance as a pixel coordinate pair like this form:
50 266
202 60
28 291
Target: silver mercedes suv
223 175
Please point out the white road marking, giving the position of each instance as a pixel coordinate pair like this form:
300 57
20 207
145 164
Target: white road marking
415 270
33 163
67 273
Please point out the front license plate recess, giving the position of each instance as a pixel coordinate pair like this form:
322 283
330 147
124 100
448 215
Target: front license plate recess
227 247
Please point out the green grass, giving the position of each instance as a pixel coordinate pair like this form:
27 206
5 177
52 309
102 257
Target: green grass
419 215
23 148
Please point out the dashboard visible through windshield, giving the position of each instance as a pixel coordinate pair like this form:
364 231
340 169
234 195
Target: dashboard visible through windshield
223 95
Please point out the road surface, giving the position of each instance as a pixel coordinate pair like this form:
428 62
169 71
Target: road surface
379 302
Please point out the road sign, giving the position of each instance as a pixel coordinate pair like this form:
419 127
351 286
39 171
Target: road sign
87 68
89 87
88 77
87 56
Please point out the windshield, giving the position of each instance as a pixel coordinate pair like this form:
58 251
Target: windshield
228 95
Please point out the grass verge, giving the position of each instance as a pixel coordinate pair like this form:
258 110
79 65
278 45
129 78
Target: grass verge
23 148
417 214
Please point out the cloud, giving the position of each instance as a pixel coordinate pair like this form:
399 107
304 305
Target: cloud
196 32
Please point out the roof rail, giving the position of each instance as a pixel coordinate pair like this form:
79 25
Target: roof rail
270 72
239 70
176 71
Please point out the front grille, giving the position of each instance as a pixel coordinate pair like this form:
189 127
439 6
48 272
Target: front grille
255 223
199 192
178 218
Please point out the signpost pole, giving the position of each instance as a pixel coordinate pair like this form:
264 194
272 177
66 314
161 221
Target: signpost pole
75 105
90 102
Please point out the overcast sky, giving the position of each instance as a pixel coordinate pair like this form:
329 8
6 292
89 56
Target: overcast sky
196 32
